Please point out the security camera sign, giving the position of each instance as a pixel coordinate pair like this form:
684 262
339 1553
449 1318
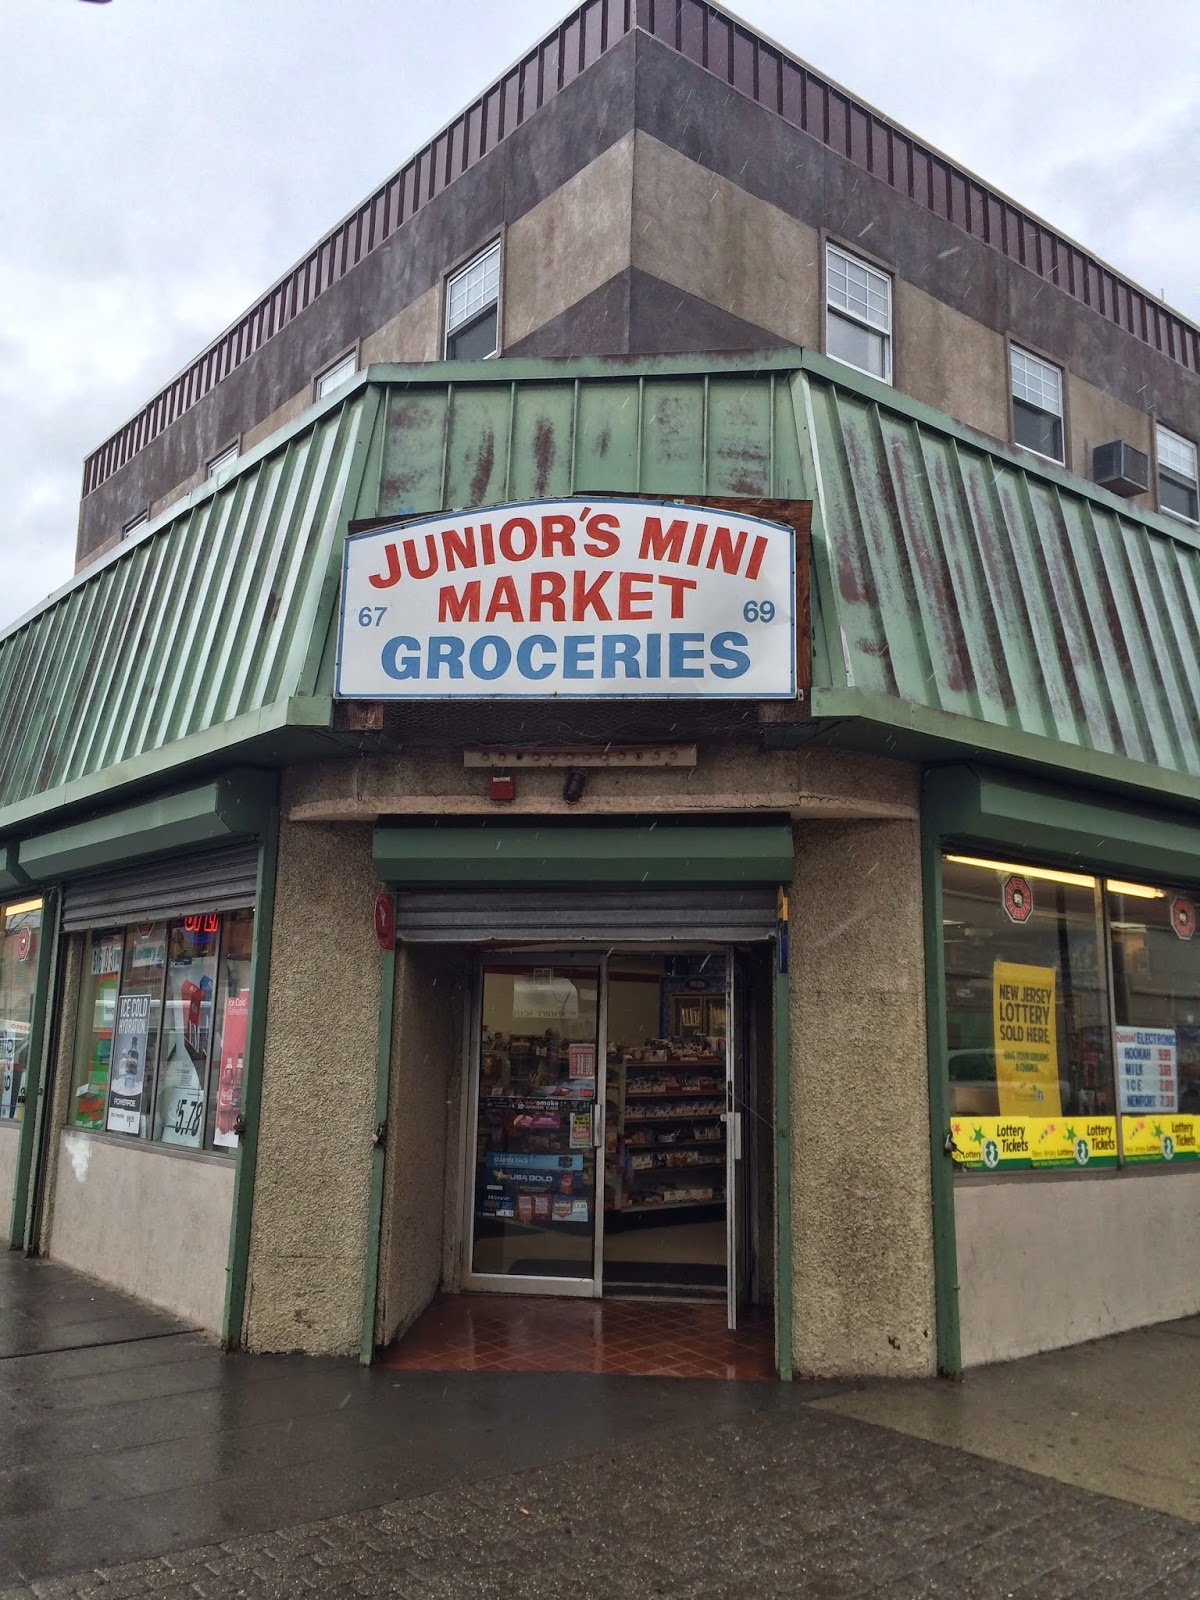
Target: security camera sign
571 598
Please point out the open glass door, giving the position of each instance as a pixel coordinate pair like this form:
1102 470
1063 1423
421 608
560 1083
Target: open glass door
734 1133
535 1126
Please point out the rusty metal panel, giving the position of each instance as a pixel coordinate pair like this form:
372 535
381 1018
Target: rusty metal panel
973 584
194 628
960 580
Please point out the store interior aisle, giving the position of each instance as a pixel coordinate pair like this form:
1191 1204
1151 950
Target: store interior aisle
626 1338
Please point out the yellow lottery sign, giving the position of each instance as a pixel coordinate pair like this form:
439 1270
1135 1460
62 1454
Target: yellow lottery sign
1026 1042
990 1144
1161 1137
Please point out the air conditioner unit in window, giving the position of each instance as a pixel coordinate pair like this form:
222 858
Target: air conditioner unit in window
1121 468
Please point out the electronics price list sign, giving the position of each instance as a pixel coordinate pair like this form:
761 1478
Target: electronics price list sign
571 598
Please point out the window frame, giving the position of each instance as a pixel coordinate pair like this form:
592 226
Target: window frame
327 373
477 258
1175 475
223 459
845 313
1023 350
134 523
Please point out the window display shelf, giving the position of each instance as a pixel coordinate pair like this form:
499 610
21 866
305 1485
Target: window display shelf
675 1116
680 1087
674 1094
659 1161
674 1144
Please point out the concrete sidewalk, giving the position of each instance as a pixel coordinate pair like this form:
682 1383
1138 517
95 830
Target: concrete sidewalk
136 1460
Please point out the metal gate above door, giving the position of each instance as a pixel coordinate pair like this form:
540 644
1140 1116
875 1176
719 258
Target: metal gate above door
660 916
218 880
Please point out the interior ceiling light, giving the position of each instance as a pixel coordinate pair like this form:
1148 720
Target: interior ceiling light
1140 891
1045 873
21 907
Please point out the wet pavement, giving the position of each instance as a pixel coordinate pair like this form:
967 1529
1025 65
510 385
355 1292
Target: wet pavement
1120 1416
136 1460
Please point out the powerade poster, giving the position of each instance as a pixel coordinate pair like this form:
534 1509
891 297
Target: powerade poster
583 599
1026 1040
130 1040
991 1144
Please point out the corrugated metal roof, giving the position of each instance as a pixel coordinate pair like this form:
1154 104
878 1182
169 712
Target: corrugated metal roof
204 625
965 591
975 582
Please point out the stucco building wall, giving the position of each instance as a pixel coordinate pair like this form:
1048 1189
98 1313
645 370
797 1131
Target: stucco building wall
1055 1261
862 1244
423 1133
146 1219
313 1174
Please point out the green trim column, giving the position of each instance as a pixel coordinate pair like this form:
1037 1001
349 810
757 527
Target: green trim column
383 1077
941 1167
232 1321
783 1166
21 1228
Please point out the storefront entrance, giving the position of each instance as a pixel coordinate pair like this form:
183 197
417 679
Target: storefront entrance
605 1125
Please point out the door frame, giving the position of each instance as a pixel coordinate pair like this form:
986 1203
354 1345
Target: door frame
593 1288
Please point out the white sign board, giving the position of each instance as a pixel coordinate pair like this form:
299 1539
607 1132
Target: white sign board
1146 1069
581 599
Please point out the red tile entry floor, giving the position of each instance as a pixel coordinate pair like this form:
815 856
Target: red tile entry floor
627 1338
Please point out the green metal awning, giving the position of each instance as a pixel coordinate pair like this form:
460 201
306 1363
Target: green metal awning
233 807
11 876
966 805
566 857
966 598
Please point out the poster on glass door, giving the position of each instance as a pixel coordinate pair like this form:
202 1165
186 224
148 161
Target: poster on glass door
534 1188
130 1040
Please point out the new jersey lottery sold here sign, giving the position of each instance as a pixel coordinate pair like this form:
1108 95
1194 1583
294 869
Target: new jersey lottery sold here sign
574 598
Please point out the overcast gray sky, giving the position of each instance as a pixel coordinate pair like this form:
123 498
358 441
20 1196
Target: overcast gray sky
164 160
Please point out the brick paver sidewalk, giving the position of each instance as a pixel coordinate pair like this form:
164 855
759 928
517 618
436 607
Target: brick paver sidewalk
802 1504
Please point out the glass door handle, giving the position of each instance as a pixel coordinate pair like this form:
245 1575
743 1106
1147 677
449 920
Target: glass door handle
597 1124
733 1124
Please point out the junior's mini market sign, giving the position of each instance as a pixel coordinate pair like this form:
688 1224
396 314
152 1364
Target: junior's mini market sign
574 598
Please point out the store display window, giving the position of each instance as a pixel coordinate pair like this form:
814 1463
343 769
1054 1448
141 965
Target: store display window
160 1035
20 939
1050 1064
1156 994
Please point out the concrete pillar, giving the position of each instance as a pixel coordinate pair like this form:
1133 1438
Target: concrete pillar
862 1239
313 1179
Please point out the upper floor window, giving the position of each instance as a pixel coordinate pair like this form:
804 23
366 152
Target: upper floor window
858 314
473 308
1037 405
225 459
333 377
1177 476
134 523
